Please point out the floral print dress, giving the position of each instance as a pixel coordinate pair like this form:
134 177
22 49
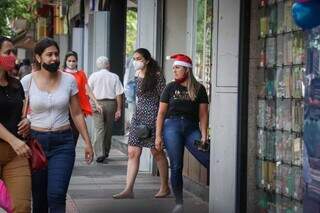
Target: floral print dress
146 112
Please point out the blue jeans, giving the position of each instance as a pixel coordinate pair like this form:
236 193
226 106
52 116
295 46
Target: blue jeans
50 185
178 133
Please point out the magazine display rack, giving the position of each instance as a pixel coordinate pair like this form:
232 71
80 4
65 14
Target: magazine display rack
280 108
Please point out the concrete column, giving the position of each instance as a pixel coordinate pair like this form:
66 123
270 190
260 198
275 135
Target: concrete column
175 28
223 109
98 37
62 41
147 38
77 44
147 25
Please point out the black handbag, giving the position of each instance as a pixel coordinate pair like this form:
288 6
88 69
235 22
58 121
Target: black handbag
143 132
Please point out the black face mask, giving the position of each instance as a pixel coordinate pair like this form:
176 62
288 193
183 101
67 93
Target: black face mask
51 67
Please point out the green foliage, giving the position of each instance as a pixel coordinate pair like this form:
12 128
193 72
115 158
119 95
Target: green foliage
200 24
204 29
131 31
11 9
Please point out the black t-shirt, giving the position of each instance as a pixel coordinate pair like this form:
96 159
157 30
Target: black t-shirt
11 103
180 103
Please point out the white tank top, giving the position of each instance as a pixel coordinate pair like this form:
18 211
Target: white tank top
50 109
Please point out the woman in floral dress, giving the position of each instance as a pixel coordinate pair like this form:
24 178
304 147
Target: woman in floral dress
150 83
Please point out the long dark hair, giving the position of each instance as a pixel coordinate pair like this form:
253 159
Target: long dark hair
41 46
152 72
70 53
11 81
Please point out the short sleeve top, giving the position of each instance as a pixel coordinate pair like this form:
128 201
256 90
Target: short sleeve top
50 109
180 104
105 84
11 103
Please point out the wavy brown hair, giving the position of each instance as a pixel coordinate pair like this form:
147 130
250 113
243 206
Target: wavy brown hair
152 72
193 85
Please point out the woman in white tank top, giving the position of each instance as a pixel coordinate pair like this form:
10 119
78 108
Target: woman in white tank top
51 94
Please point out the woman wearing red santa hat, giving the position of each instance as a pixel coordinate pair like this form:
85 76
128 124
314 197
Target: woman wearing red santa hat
14 153
182 121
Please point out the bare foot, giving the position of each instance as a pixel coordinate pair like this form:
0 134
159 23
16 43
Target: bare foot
162 193
124 195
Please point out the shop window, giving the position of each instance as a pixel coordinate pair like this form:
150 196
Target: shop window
203 43
280 109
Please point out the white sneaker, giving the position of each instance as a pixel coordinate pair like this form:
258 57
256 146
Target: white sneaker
178 208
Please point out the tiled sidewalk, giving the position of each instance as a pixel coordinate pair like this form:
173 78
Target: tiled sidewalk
92 187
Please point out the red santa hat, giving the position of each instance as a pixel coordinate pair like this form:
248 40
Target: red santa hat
181 59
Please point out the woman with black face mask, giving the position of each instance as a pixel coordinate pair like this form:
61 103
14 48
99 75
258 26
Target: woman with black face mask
51 94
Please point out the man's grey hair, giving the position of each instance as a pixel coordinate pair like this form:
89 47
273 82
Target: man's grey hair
102 62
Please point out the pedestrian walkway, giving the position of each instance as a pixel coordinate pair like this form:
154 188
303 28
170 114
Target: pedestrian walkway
92 186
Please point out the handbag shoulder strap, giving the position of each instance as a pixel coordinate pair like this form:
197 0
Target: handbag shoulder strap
26 105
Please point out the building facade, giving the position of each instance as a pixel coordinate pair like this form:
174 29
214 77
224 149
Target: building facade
250 57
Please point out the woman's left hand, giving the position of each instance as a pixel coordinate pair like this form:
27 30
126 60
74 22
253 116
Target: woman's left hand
204 144
204 140
24 127
159 143
88 152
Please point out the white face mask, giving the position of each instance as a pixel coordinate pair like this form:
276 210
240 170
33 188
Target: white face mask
71 65
138 65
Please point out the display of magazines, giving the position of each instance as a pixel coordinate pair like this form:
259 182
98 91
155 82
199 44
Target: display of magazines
297 82
261 113
280 107
280 50
287 51
298 53
261 144
270 83
274 203
283 114
287 14
270 145
280 17
297 110
272 19
264 26
279 146
297 150
270 114
271 51
283 82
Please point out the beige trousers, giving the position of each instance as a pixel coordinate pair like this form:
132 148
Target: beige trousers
15 172
103 127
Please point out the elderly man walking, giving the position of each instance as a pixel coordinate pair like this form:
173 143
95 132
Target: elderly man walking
108 90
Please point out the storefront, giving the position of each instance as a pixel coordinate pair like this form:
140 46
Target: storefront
183 26
208 31
276 100
253 60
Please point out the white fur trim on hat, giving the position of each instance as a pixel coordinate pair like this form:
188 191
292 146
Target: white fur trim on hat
182 63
